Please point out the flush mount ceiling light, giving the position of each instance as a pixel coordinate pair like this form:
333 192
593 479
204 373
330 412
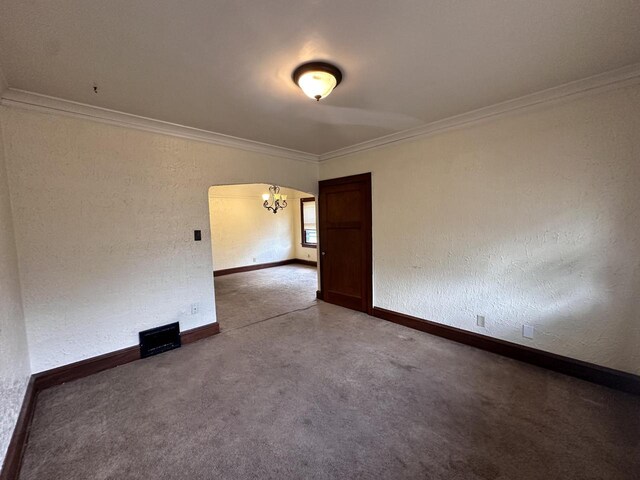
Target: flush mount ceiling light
317 79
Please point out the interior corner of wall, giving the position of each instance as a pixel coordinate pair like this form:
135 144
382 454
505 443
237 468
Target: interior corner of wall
20 299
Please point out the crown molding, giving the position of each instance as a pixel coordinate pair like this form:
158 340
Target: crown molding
613 79
618 78
44 103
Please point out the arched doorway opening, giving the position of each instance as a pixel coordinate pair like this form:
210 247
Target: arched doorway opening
264 263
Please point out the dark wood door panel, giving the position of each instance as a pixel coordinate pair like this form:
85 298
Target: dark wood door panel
344 268
346 301
344 206
344 213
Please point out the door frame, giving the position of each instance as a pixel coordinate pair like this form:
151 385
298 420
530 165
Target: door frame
365 178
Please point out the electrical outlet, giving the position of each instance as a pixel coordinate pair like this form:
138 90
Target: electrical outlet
254 259
480 321
195 308
527 331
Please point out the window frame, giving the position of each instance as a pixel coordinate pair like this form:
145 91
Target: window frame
302 235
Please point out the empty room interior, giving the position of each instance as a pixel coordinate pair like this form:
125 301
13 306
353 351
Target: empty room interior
249 232
319 240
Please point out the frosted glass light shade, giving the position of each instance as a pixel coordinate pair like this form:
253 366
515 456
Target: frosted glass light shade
317 85
317 79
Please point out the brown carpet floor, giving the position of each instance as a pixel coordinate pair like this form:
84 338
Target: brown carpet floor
243 298
327 393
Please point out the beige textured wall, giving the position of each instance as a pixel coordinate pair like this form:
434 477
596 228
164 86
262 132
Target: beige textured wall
528 219
104 219
14 356
243 232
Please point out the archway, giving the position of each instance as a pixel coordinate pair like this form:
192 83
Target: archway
264 263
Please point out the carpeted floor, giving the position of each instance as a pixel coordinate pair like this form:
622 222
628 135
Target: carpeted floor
327 393
243 298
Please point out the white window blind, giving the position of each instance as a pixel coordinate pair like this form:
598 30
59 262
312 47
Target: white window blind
310 235
309 214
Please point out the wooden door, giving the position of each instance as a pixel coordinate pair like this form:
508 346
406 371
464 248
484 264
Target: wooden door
344 208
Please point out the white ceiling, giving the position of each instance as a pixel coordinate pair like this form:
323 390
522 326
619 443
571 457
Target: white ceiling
225 66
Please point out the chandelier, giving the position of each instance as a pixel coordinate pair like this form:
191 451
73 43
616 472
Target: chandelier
273 201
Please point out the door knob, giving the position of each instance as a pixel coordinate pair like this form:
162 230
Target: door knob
324 253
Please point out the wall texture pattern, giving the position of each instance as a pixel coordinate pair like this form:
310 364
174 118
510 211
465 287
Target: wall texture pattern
104 219
528 219
14 355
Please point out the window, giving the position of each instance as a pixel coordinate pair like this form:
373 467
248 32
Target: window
308 222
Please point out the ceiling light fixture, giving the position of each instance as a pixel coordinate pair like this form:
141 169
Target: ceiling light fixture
317 79
273 201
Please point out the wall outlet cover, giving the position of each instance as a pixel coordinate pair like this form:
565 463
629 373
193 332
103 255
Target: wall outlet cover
195 308
527 331
480 320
